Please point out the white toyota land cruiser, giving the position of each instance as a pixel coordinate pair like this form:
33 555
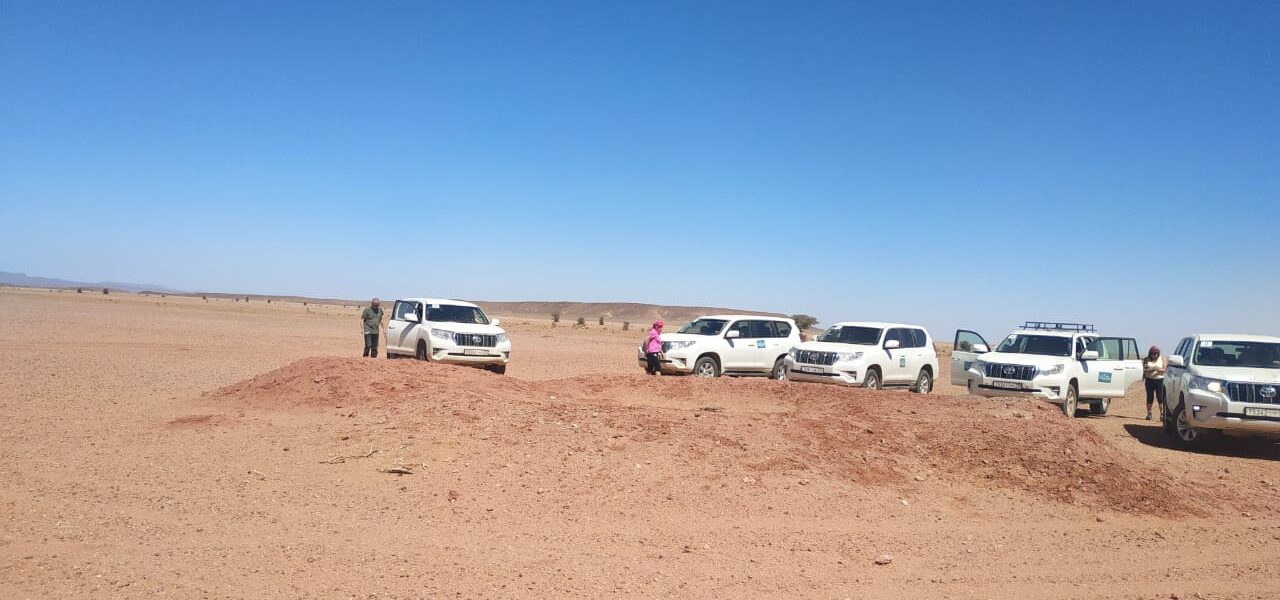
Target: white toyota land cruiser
730 345
448 331
1065 363
868 354
1223 382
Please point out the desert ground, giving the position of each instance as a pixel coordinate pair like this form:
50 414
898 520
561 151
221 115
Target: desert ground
172 447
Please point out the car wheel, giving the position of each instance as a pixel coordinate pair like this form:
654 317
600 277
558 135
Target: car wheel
1167 420
499 369
1188 435
1100 407
1071 403
872 380
706 367
421 353
924 382
970 385
779 371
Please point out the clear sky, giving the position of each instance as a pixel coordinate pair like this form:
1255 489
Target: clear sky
943 163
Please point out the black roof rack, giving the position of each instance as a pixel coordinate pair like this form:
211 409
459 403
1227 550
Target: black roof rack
1055 326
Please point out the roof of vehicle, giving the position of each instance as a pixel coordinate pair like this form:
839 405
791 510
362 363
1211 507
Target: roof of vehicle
879 324
1050 332
733 317
1236 337
438 301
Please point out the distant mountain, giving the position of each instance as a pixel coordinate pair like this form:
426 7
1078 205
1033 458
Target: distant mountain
24 280
611 311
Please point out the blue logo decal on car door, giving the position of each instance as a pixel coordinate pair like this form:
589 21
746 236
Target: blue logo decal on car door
759 343
1104 377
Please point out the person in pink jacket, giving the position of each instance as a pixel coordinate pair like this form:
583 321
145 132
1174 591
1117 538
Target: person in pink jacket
653 349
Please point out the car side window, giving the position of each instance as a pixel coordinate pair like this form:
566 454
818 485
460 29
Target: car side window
1188 351
742 327
782 329
404 310
896 334
760 329
919 336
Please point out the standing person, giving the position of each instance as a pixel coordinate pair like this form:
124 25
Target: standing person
653 349
371 324
1153 368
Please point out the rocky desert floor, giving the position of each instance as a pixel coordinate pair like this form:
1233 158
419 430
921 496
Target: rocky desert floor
171 447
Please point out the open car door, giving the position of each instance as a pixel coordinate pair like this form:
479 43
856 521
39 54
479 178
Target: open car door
968 344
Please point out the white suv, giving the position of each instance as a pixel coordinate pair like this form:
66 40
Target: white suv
871 355
1223 382
447 331
1065 363
729 345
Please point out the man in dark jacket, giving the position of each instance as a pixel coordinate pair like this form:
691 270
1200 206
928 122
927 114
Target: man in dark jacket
371 324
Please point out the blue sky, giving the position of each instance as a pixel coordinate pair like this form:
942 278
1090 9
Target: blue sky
944 163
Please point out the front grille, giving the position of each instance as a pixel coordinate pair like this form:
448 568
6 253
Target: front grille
475 339
814 357
1019 372
1259 393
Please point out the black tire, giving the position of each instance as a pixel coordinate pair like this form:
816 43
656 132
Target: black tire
1188 436
1072 402
779 371
1166 419
1100 407
924 382
706 366
421 352
872 379
499 369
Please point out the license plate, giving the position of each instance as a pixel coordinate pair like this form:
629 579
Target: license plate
1008 385
470 352
1262 412
811 369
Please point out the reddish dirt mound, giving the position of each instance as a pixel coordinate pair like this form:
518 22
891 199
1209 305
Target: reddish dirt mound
888 439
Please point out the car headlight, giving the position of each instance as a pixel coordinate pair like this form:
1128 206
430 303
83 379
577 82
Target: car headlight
1216 386
682 344
442 334
502 338
847 356
1054 370
792 353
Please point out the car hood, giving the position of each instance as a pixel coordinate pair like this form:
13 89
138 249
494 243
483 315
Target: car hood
1240 374
836 347
466 328
1009 358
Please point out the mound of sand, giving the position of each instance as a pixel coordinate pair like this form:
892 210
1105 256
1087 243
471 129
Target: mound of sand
720 429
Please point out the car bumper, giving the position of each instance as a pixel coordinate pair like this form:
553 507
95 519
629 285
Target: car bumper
839 373
1051 389
1208 410
472 356
673 363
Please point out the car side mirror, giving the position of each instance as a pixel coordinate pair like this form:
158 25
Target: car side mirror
891 344
733 333
411 317
495 322
981 349
1176 361
1089 355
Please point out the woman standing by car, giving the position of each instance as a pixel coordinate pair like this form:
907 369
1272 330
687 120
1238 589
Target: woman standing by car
1153 368
653 349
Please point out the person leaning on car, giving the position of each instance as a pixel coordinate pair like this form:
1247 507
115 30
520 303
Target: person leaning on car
371 324
1153 368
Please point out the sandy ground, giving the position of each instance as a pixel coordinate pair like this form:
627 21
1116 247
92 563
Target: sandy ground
176 448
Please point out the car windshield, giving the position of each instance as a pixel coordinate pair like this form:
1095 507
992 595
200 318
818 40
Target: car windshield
862 336
1045 345
704 327
453 313
1253 355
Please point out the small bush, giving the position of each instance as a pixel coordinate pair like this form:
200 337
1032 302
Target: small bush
105 291
582 321
626 325
79 290
601 321
555 317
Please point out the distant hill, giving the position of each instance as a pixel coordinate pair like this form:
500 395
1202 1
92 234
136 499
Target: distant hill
24 280
611 311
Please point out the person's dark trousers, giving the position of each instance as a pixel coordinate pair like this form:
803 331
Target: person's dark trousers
1155 391
652 364
371 345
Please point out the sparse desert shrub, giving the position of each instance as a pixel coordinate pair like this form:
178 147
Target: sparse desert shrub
79 290
582 322
105 291
304 304
555 317
965 346
602 321
268 301
626 325
804 321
